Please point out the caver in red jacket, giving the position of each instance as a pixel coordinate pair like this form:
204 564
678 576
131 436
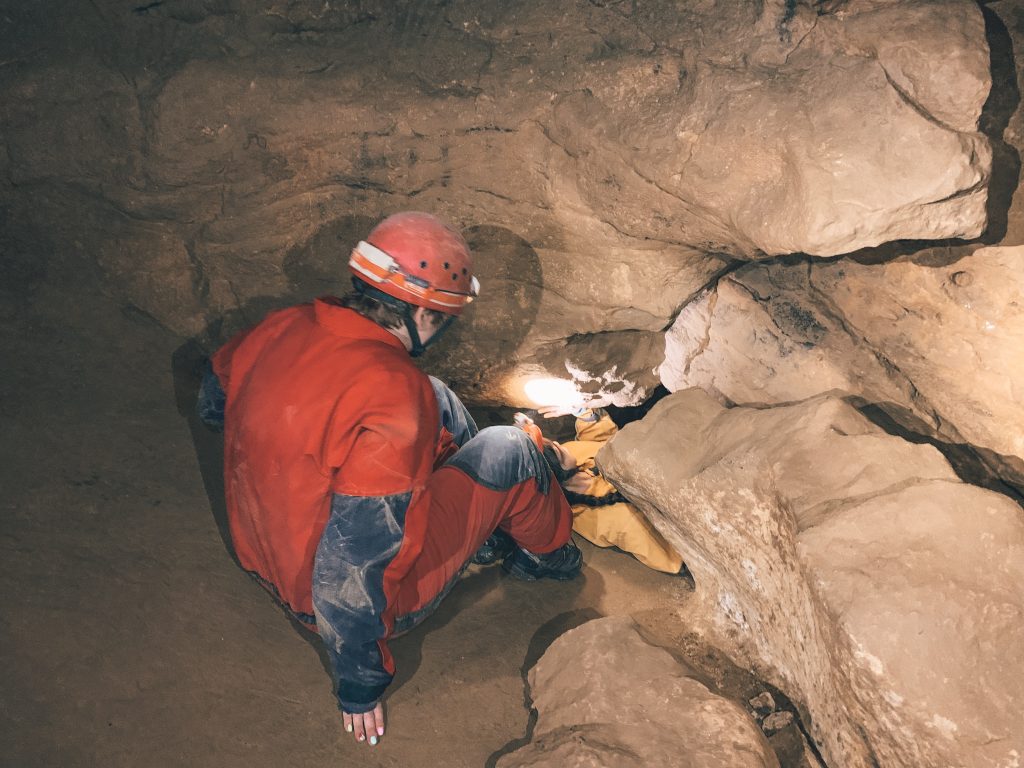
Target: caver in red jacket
332 437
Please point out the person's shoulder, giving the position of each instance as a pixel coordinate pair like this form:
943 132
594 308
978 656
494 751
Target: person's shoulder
387 374
275 320
254 337
296 313
399 368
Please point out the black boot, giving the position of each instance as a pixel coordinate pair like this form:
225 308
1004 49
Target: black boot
497 546
562 565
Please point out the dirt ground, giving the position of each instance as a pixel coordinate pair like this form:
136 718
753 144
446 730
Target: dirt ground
129 637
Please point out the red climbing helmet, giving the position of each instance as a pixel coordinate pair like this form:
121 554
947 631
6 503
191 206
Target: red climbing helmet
417 258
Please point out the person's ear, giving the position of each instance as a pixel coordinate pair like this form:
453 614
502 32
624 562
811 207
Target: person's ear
425 323
424 318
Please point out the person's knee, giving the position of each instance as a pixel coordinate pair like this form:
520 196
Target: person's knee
507 439
501 457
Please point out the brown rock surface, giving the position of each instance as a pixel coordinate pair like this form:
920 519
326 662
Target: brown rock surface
846 566
214 158
936 345
626 155
606 697
760 338
956 331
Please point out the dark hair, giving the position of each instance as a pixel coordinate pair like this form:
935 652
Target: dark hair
562 475
621 416
384 314
612 497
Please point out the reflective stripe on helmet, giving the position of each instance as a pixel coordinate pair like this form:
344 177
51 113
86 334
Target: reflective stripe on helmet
375 266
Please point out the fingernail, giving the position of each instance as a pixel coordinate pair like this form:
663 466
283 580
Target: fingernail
373 741
348 727
360 737
380 730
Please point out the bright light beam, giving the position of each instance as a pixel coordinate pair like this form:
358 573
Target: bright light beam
557 392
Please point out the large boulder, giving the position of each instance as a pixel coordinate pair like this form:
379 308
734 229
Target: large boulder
605 697
955 330
607 161
935 343
762 336
848 567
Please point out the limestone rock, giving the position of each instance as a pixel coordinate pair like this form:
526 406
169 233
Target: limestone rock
763 336
935 344
956 331
847 567
606 697
776 721
620 157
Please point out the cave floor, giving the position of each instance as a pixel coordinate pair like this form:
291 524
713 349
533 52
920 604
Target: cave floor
129 636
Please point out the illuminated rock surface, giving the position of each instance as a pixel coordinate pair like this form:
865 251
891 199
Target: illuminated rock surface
936 344
848 567
605 697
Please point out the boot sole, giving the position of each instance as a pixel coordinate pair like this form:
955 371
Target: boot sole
522 574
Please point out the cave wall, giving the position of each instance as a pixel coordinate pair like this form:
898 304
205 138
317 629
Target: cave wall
847 566
932 347
767 201
923 335
607 160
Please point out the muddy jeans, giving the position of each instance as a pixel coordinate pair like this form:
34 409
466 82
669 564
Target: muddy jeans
485 486
383 564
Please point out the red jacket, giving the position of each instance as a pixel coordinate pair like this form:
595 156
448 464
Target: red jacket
320 401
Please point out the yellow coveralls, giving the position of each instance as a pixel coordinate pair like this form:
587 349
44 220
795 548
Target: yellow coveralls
616 525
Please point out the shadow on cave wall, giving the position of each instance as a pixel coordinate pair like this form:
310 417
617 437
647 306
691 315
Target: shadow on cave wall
482 345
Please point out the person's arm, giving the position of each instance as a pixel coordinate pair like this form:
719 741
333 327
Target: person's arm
595 426
362 537
455 418
377 476
212 400
457 425
579 455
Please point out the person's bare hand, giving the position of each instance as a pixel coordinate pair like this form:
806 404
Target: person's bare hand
368 726
554 411
579 483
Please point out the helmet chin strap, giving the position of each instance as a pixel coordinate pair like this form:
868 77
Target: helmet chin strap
418 347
